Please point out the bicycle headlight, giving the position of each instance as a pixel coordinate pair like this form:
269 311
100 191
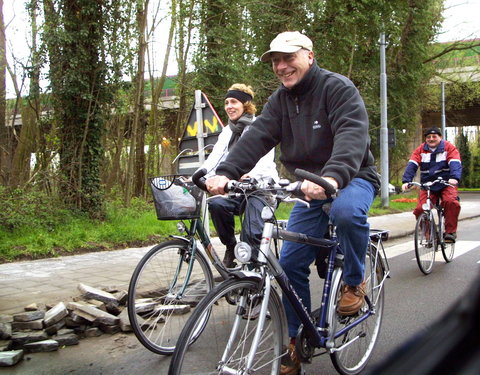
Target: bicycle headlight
181 227
243 252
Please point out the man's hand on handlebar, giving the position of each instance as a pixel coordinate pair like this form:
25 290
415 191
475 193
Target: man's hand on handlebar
452 181
314 191
216 184
406 186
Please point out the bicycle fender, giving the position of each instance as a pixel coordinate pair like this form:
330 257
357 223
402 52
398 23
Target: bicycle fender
246 275
180 238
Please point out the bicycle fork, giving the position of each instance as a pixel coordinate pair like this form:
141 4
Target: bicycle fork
247 368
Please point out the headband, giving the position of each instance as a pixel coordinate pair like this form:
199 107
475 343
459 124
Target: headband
239 95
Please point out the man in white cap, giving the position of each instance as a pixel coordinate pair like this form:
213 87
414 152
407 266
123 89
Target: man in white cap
320 120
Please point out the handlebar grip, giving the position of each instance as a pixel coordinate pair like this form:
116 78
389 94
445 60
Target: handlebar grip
199 179
329 189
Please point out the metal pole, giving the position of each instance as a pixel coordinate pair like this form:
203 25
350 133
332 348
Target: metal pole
444 122
383 125
201 150
200 130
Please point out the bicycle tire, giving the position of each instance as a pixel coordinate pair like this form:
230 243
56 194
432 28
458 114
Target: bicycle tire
352 358
425 243
448 248
156 311
218 339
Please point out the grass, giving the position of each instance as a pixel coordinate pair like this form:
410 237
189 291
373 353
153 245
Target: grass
132 227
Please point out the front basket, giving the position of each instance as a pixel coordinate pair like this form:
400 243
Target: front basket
175 198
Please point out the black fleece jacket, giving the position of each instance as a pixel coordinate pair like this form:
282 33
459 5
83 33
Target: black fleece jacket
322 125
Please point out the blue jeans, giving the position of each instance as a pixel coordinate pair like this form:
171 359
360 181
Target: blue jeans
349 214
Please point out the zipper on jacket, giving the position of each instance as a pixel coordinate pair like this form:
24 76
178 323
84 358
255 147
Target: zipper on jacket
295 99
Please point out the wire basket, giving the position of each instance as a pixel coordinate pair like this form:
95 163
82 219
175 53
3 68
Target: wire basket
175 198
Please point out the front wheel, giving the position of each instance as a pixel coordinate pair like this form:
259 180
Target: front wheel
226 340
448 248
165 287
353 349
425 243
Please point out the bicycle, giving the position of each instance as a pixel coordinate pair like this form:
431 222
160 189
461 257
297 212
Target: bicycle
246 332
429 234
173 276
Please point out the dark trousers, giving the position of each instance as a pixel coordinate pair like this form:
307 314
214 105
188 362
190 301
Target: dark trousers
222 212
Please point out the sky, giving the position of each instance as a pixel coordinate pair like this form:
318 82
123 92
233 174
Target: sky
461 22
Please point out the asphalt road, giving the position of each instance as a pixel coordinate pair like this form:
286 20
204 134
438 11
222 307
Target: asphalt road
413 302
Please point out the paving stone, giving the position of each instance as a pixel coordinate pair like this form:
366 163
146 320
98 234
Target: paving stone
93 314
66 339
32 307
65 331
51 330
21 338
74 320
93 332
97 294
5 331
6 318
5 345
41 346
34 324
121 297
55 314
28 316
10 358
125 325
109 329
98 304
113 308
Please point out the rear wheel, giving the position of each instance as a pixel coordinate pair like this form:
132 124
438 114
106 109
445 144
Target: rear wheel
226 340
353 349
163 292
425 243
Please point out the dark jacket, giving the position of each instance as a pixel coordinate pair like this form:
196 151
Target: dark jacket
322 125
443 162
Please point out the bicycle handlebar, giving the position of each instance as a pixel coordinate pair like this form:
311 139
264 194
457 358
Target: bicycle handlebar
251 185
427 185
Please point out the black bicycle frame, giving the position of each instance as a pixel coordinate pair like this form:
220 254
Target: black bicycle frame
316 333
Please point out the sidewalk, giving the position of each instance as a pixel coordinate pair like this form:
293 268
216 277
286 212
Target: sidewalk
56 279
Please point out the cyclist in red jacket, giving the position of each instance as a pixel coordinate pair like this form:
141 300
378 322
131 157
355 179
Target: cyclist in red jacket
437 158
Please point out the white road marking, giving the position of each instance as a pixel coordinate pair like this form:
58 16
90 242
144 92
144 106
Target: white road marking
461 248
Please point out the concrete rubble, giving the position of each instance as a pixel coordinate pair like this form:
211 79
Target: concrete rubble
44 328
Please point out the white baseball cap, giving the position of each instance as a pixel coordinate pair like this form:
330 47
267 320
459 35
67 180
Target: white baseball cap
288 42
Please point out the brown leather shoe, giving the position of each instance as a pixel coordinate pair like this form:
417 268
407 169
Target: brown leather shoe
352 299
290 363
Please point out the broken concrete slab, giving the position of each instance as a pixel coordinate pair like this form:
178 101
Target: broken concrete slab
5 345
10 358
97 294
21 338
93 314
125 325
66 339
28 316
55 314
34 324
5 331
48 345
